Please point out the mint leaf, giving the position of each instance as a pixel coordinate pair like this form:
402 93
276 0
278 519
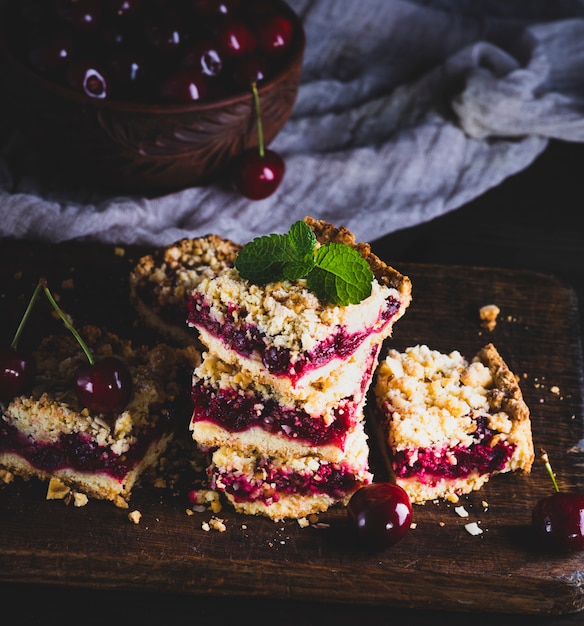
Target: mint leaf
303 239
262 260
294 270
335 272
341 276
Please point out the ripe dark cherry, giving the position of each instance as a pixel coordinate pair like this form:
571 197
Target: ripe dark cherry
105 386
124 9
17 372
83 15
558 521
184 85
234 39
88 78
49 53
256 175
252 68
274 33
214 8
381 514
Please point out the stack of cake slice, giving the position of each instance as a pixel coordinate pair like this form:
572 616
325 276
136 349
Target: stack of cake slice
279 395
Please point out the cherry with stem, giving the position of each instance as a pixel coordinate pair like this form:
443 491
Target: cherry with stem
258 172
102 386
558 519
17 368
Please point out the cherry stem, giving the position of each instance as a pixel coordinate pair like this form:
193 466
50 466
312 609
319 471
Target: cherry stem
545 458
256 99
25 317
66 321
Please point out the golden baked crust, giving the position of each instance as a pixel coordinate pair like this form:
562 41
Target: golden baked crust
435 408
160 282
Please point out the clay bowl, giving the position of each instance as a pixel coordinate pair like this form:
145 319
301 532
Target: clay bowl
142 147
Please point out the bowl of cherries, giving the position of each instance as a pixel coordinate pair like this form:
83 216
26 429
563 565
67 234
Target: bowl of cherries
150 96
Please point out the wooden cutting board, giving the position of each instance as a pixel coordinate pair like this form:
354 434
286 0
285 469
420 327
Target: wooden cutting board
438 565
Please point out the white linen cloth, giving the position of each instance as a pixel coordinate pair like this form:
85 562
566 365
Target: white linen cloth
406 110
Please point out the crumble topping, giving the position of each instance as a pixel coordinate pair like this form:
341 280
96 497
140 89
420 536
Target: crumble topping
431 392
288 312
173 271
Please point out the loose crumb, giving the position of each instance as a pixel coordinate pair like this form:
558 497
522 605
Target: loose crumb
135 517
6 477
57 490
80 499
217 524
488 315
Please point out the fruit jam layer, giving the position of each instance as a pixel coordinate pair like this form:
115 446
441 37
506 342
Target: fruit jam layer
247 340
430 464
334 480
237 412
75 451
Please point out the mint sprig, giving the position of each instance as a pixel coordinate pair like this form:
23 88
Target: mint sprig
335 271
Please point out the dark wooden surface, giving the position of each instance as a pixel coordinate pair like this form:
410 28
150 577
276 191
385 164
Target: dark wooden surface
92 559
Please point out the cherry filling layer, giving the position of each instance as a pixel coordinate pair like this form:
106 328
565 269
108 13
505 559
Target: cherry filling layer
76 451
247 339
431 464
237 412
334 480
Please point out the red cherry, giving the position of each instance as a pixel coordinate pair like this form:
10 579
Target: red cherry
250 69
105 386
558 519
88 78
213 8
50 52
275 33
381 514
17 368
203 56
17 372
258 176
83 15
183 85
235 39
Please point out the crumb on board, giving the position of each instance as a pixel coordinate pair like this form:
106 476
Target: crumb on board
215 523
80 499
135 516
203 499
6 477
57 490
119 251
489 314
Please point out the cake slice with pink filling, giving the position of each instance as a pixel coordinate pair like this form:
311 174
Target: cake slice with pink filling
49 434
288 337
450 424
